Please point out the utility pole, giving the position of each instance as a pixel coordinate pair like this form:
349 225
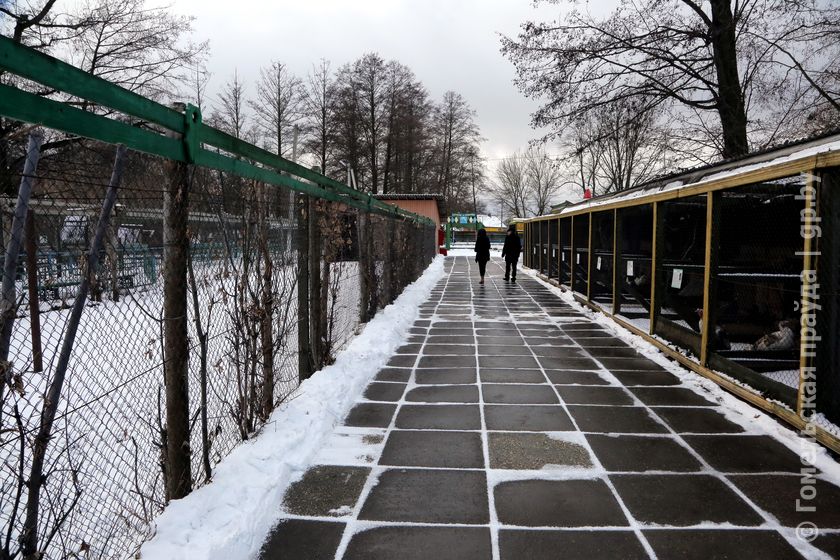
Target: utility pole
475 205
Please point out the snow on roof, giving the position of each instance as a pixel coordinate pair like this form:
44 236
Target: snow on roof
490 221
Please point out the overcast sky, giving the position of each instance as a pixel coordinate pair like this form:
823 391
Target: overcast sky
449 44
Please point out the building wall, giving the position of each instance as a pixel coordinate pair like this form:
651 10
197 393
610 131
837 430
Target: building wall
428 208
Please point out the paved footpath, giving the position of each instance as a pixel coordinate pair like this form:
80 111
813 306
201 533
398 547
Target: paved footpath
511 427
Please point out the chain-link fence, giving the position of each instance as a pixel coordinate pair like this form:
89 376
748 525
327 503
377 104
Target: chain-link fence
261 261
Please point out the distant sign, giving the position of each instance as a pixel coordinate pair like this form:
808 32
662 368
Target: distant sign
462 219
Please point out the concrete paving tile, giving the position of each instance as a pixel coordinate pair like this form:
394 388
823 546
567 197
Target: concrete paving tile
409 349
683 500
452 394
370 415
527 418
512 375
448 350
400 375
390 392
445 376
567 363
297 538
533 451
446 361
402 360
518 394
720 545
558 352
697 420
325 491
612 352
637 378
745 453
428 496
453 450
520 544
553 503
575 377
502 350
630 364
641 453
623 419
670 396
439 417
572 394
549 341
420 543
451 339
507 362
829 543
512 340
779 495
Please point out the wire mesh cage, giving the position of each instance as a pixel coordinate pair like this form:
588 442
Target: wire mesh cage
566 251
758 285
603 231
634 244
681 271
580 255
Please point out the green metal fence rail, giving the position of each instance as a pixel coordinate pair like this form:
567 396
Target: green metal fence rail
199 143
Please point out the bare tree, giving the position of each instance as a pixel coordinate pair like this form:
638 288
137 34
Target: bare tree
278 106
456 134
511 185
137 47
544 179
318 106
697 56
230 113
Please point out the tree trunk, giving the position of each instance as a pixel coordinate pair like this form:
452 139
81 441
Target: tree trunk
267 304
176 344
733 115
315 284
304 343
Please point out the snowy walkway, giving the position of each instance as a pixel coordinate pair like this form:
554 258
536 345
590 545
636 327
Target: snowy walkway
512 427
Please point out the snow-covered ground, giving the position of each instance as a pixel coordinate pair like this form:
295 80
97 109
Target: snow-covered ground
230 517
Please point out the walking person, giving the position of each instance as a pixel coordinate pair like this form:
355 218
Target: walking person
482 252
510 252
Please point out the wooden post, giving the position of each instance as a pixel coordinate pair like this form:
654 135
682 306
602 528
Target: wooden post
589 261
559 252
32 285
616 306
572 253
810 257
657 274
710 280
175 334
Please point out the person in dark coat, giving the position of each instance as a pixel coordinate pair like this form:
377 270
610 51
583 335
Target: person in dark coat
511 251
482 252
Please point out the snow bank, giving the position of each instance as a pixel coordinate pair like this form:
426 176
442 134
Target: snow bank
230 517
